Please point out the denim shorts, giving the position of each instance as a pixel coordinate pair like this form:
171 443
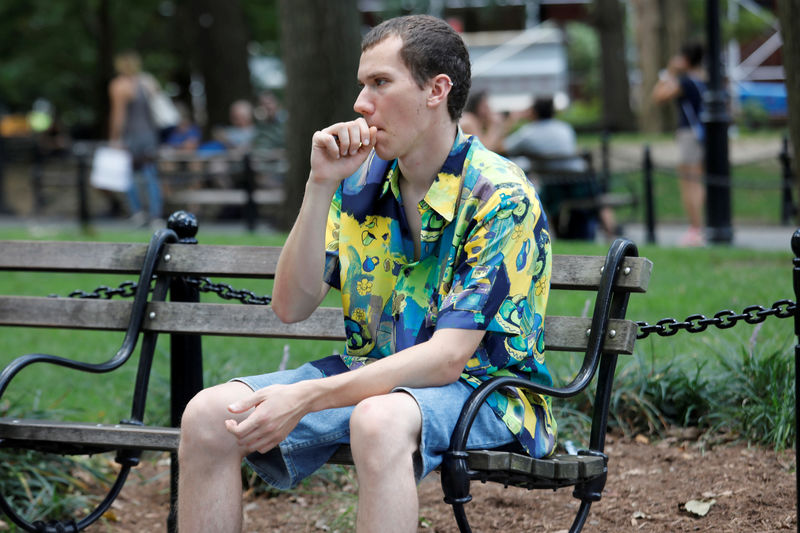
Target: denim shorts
319 434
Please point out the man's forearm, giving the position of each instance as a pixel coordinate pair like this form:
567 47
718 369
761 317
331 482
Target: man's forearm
299 288
436 362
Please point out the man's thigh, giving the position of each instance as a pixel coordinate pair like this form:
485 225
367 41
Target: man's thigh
440 408
310 444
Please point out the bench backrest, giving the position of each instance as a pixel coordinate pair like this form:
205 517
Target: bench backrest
564 333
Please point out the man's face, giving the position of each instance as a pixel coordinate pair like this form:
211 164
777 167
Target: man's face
391 100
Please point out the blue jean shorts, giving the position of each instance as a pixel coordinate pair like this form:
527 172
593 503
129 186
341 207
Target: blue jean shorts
319 434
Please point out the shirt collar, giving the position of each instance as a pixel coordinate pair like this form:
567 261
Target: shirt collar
443 195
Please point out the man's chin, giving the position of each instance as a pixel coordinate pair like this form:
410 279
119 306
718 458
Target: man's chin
384 152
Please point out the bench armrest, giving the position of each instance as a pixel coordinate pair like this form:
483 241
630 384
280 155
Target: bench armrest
455 479
131 334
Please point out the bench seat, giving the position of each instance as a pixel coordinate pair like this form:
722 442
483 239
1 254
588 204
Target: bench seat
82 438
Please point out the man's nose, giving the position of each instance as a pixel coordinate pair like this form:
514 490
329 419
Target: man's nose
363 105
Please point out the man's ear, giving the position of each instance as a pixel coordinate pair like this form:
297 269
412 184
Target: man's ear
440 86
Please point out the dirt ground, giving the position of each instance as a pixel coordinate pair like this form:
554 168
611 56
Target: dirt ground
650 486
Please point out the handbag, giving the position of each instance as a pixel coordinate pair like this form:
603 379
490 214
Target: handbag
112 169
164 112
162 109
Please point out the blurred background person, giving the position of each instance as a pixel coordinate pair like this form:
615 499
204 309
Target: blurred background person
270 119
132 127
550 146
683 82
478 119
238 136
186 136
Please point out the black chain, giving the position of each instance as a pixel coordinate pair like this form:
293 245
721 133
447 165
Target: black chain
227 292
127 289
752 314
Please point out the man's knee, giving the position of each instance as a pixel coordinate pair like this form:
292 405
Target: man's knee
203 421
388 423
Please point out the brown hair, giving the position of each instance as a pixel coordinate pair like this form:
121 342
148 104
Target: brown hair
430 47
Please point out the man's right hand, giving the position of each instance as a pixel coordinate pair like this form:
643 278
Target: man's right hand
338 150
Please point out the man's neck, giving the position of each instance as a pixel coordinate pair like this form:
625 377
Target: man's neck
421 166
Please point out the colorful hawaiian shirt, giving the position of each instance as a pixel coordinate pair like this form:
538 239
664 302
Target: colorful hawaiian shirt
485 264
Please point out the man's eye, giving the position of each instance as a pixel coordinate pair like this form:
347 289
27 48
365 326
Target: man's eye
380 81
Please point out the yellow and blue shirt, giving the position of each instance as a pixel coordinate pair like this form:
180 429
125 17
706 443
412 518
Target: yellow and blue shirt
485 264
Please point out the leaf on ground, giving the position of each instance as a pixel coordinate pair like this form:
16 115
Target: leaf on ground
699 507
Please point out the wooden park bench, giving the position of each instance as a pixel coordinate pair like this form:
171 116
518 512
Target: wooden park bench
175 265
244 181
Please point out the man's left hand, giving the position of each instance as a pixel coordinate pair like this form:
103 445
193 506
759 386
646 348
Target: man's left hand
276 410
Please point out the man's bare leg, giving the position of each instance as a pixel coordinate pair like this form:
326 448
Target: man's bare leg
384 434
210 481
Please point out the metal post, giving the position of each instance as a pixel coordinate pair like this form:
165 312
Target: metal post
649 204
796 282
37 177
3 156
787 203
186 354
250 189
716 119
81 152
605 163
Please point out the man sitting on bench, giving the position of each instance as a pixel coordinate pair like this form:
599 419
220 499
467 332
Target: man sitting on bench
442 256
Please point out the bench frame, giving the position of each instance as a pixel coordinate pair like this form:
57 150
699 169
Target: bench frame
173 265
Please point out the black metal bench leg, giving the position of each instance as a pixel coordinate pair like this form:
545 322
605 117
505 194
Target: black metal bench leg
461 518
580 518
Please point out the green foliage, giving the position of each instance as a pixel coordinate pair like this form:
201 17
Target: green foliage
754 395
754 115
583 114
750 396
53 50
40 484
583 56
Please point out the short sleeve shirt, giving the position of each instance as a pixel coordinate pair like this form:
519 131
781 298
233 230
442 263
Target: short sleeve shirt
484 264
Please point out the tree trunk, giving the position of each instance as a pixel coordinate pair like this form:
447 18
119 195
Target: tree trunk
609 20
650 62
660 32
105 69
320 42
789 14
221 45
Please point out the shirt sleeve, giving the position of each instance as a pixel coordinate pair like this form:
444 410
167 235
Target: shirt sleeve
493 278
331 274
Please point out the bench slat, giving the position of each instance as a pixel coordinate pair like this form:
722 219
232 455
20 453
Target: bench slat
103 435
227 196
569 271
563 333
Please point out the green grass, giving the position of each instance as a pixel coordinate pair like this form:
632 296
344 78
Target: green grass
755 198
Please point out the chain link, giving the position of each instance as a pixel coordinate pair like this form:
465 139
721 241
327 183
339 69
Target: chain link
127 289
725 319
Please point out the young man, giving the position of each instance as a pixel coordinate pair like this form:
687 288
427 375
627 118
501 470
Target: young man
442 256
